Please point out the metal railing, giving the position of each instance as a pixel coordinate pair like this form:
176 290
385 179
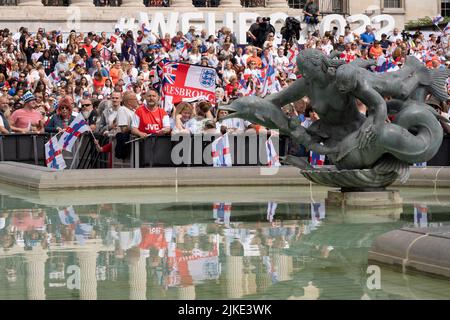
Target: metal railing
159 151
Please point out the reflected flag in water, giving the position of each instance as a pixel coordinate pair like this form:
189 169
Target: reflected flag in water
317 213
270 269
271 208
420 215
222 212
67 216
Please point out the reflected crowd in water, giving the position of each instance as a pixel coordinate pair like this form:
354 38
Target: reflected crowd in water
225 251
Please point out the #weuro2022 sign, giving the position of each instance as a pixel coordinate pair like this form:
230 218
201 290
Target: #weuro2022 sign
239 22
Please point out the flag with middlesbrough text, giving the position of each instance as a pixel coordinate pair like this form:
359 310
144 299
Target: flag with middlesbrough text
53 154
72 132
181 81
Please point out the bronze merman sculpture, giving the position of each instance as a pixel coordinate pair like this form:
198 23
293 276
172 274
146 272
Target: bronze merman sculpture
367 152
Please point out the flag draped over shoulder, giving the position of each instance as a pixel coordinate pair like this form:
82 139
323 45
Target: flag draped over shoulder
220 150
72 132
182 81
53 154
385 64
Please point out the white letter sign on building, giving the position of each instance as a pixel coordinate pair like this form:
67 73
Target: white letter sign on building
239 22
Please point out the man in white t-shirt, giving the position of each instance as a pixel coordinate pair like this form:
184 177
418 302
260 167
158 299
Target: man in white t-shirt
396 35
281 61
125 113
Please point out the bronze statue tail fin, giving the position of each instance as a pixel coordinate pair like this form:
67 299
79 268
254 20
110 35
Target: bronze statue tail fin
438 87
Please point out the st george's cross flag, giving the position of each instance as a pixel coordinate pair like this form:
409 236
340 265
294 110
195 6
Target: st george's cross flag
187 82
220 150
272 156
72 132
53 154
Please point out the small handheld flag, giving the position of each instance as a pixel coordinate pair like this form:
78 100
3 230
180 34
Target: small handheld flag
53 154
220 149
76 128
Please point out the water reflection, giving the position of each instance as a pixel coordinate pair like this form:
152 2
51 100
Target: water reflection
219 250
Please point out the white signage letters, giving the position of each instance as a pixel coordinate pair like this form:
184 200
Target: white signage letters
239 22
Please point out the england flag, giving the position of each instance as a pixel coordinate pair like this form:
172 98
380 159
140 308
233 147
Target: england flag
53 154
76 128
182 81
272 156
220 150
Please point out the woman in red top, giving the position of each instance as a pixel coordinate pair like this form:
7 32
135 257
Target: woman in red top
229 88
166 42
98 81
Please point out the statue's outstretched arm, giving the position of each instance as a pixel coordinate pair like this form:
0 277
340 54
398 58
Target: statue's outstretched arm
293 93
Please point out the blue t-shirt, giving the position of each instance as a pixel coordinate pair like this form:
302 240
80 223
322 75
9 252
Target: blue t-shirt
367 38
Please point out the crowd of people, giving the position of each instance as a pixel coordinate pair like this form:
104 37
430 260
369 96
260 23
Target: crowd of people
112 80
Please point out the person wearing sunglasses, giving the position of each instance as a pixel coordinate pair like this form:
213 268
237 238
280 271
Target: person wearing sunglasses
89 113
63 116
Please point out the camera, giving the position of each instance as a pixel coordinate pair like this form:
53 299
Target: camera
291 29
406 35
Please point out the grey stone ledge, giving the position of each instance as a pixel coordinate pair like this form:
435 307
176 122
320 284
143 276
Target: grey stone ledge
41 178
416 249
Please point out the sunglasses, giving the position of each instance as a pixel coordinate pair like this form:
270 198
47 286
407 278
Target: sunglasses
86 105
64 108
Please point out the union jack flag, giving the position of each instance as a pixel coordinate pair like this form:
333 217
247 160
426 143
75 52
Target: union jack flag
169 76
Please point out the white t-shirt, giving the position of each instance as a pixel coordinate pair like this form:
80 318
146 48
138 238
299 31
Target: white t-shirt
233 123
2 124
281 62
394 38
125 116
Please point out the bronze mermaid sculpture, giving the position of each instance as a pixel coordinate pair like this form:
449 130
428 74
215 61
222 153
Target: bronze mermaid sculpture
380 150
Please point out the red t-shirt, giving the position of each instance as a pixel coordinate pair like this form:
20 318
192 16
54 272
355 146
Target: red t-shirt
88 49
152 121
